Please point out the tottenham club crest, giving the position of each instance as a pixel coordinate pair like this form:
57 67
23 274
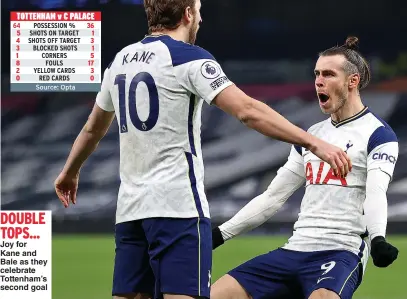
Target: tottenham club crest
348 146
210 70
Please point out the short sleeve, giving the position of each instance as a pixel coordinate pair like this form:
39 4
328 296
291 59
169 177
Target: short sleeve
104 98
295 161
202 74
383 150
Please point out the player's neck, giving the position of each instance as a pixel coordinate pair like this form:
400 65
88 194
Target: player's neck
177 34
352 107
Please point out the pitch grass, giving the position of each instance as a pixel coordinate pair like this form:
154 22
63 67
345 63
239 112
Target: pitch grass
82 266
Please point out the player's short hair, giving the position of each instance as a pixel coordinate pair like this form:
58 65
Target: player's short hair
355 63
165 14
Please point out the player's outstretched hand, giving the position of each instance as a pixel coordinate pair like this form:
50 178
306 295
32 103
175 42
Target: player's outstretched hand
334 156
383 253
217 238
66 187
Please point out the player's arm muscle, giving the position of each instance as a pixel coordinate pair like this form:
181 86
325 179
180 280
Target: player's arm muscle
267 121
264 206
88 139
261 117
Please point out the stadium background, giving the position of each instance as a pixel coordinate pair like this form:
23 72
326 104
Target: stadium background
269 49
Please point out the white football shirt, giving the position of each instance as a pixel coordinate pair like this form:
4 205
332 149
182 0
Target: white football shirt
156 88
331 213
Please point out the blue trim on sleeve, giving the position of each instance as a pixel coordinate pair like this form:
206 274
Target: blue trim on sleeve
380 136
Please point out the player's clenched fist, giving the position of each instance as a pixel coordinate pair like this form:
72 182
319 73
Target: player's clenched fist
382 252
334 156
66 187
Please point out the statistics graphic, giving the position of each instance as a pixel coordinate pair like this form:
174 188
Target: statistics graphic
55 51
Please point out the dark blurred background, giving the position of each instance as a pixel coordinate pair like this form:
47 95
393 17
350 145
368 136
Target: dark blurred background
268 48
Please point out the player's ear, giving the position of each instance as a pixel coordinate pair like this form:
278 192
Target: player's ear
189 14
354 80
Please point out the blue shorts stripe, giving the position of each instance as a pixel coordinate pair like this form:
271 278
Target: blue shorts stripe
192 180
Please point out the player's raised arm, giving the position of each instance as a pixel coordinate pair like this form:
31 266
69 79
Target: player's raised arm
267 121
203 76
95 128
289 178
382 157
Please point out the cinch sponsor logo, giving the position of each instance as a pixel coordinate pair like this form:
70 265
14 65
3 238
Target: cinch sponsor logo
384 156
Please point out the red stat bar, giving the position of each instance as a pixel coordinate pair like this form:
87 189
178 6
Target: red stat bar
55 16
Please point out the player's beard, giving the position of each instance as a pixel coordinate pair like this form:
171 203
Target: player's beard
193 31
342 96
338 99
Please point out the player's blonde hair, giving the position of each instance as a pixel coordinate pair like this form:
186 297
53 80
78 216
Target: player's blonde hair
165 14
355 63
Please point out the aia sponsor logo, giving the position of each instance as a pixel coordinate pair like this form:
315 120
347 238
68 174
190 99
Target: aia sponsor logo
317 177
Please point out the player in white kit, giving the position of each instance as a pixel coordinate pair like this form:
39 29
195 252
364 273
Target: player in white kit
327 254
156 89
